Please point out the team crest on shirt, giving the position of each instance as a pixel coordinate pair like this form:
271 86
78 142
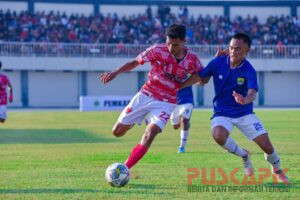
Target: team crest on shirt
240 80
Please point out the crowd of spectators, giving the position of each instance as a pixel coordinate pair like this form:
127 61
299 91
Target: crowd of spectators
144 28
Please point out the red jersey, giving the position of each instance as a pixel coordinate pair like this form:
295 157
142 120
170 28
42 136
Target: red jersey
3 85
166 75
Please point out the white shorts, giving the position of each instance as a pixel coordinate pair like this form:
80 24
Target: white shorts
141 105
2 111
249 125
183 110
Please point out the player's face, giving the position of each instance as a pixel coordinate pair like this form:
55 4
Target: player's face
175 46
238 49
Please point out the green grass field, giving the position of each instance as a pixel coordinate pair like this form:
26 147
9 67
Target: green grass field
63 155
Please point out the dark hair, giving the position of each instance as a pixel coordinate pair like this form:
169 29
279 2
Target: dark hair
176 31
244 37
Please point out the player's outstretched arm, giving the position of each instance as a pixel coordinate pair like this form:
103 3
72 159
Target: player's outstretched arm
194 78
247 99
108 76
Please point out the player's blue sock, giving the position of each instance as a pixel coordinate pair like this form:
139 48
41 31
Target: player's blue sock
274 160
232 147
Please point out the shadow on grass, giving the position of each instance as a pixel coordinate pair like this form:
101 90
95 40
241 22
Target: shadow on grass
150 187
123 191
49 136
293 185
46 190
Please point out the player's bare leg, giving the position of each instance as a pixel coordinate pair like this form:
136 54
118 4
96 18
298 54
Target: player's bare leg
120 129
271 156
184 133
150 133
264 143
141 149
221 136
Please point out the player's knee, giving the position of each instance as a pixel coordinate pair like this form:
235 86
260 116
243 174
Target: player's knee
219 138
115 132
176 126
118 132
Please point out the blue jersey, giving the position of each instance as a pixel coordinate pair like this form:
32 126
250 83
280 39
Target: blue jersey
227 80
185 95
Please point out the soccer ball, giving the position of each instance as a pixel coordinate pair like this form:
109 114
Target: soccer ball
117 175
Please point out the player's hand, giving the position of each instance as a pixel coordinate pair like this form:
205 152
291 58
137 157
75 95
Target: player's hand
200 83
107 76
239 98
221 52
10 99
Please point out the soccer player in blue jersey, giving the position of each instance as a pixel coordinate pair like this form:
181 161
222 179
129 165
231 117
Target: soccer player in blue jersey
235 85
180 117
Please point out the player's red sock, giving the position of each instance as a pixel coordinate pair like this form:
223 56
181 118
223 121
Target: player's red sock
137 153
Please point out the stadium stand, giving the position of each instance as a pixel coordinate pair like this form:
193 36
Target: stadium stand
144 28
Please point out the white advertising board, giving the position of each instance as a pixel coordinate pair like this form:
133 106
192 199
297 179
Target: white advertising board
97 103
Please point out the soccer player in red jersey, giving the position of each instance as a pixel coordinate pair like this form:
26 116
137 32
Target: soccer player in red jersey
170 65
4 84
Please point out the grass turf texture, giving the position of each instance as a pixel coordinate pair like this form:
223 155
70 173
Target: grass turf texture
63 155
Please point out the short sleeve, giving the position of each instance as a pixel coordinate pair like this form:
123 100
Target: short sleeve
208 70
146 56
195 66
252 79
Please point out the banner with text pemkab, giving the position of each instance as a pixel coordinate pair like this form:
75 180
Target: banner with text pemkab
96 103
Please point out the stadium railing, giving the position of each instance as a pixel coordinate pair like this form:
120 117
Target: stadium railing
24 49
